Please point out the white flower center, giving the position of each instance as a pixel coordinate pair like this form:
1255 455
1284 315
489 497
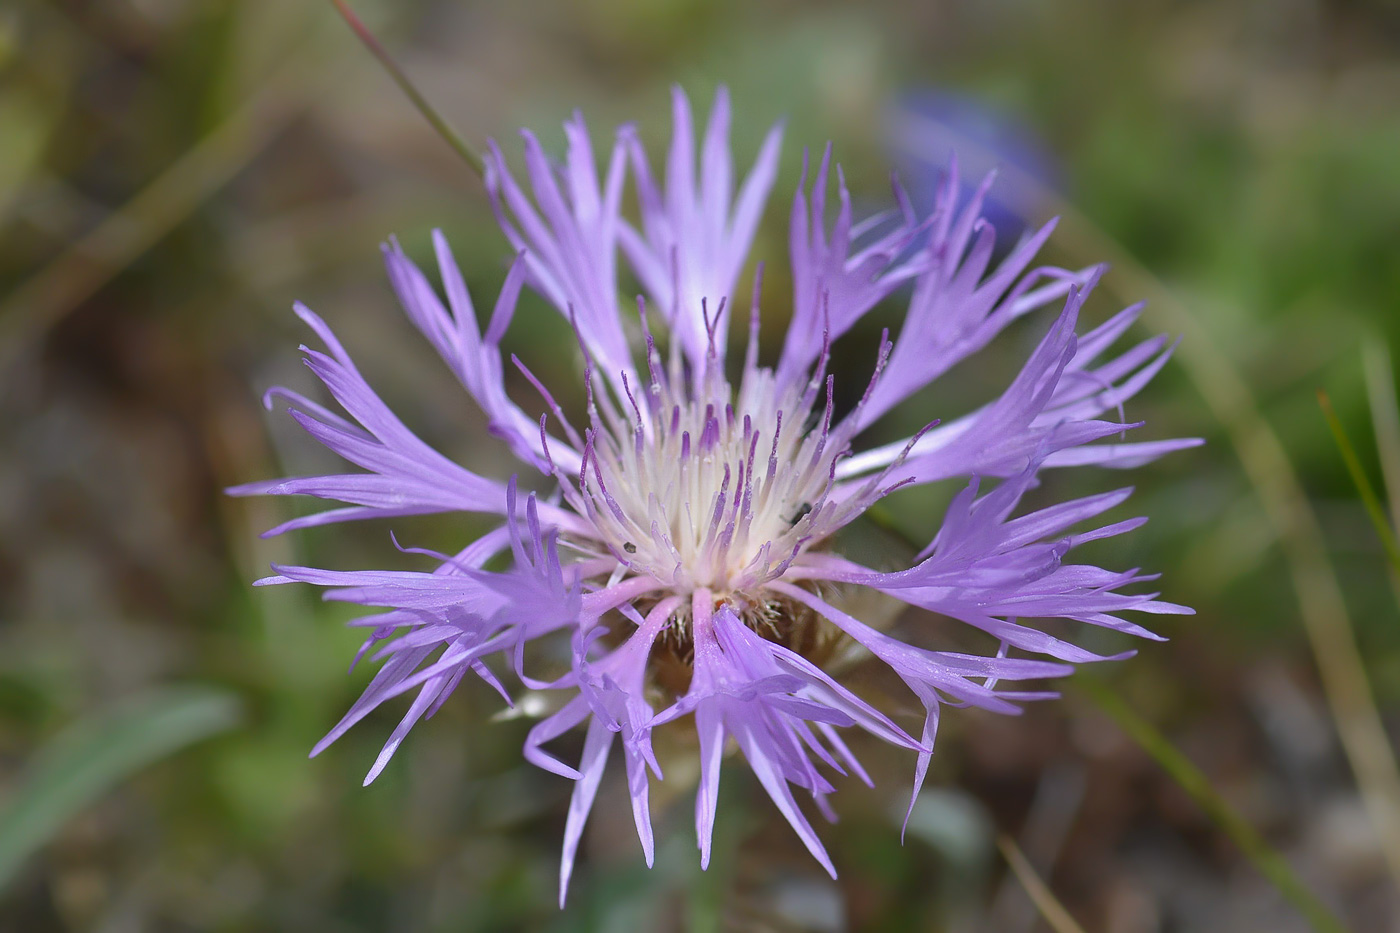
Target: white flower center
711 492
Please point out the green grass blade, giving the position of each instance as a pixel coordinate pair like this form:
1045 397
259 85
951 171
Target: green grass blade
1385 425
1270 863
100 751
1369 499
1385 421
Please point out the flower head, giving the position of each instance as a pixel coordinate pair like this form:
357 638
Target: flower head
682 541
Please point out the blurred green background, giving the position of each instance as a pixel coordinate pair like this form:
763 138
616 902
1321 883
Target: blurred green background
174 173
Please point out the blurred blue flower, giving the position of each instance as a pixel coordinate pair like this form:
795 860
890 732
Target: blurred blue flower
925 128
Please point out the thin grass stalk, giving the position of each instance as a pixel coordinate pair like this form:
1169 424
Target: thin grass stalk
1374 510
1385 421
1270 863
425 107
1051 910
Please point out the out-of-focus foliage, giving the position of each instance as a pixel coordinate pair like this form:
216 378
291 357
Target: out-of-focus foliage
1248 153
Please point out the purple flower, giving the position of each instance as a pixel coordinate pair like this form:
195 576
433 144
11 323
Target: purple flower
680 543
